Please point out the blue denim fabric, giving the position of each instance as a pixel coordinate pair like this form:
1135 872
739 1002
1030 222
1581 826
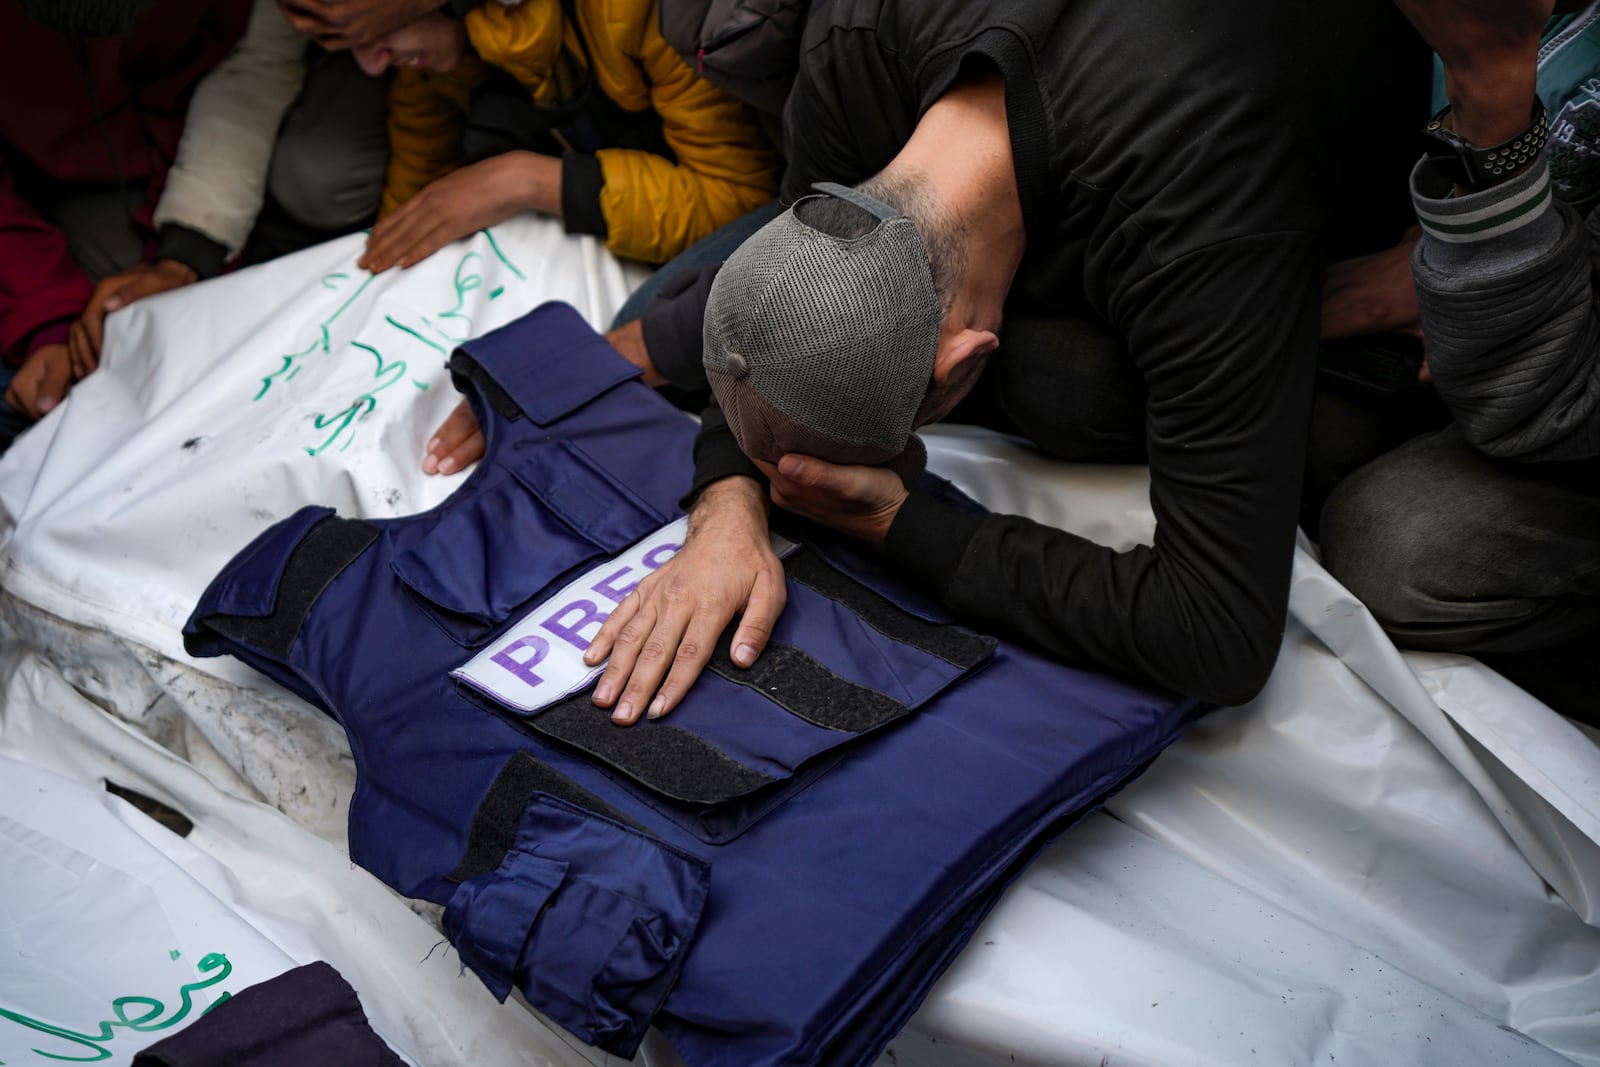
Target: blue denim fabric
712 248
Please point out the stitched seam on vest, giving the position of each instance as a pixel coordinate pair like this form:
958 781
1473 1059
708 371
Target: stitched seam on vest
321 556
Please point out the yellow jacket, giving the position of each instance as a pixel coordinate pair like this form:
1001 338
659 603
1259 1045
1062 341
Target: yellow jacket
653 208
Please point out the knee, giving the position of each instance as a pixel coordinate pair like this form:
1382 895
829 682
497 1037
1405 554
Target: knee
328 165
333 191
1392 540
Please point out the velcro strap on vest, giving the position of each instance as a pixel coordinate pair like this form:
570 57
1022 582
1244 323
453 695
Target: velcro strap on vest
956 646
494 825
670 760
321 556
796 682
543 366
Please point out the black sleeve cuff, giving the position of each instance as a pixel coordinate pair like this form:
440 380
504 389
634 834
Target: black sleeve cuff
717 455
673 327
929 539
581 182
191 248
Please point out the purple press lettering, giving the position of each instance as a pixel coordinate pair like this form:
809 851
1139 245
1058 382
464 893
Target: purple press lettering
608 588
590 615
660 554
523 668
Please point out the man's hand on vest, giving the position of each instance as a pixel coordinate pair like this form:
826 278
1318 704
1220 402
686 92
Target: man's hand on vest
859 501
672 622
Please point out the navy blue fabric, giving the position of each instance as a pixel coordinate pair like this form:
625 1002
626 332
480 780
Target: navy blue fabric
799 923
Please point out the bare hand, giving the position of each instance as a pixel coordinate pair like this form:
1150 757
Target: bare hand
458 442
42 381
1489 50
340 24
1372 294
113 294
462 203
676 616
859 501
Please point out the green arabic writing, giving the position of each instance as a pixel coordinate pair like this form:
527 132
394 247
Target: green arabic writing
341 425
141 1022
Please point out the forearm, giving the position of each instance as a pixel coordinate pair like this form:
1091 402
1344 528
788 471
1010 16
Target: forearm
717 457
1505 282
1143 614
217 184
1201 611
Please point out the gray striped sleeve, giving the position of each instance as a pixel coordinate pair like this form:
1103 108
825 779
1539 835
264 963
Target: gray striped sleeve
1505 282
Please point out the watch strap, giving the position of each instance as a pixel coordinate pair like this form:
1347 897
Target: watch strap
1472 167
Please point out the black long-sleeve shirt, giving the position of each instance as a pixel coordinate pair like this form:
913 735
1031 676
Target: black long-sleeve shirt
1173 165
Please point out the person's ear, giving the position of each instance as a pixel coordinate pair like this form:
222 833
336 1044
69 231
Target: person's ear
956 349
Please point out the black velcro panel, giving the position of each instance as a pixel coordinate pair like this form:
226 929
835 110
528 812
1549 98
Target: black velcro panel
805 688
956 646
464 366
321 556
494 826
670 760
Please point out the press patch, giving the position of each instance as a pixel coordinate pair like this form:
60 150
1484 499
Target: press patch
321 556
667 759
539 659
804 687
956 646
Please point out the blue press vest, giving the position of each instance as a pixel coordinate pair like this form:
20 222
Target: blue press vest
777 872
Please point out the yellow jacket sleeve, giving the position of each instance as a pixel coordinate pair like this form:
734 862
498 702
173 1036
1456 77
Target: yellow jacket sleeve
425 121
653 208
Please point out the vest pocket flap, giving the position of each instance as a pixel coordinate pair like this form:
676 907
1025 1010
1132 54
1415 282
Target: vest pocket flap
843 662
495 551
547 390
588 499
590 918
489 917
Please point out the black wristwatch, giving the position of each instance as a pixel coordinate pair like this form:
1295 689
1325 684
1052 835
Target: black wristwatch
1476 168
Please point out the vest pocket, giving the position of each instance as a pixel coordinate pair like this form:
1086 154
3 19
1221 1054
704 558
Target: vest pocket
589 918
492 553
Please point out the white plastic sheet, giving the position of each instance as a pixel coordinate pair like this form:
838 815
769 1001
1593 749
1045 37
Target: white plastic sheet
1382 859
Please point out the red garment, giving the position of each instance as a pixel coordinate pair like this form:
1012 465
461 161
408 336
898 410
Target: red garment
53 87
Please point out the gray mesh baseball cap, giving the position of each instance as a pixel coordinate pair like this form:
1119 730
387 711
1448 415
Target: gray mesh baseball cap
820 334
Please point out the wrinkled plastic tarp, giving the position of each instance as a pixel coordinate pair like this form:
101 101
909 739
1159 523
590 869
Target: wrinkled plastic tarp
1383 858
